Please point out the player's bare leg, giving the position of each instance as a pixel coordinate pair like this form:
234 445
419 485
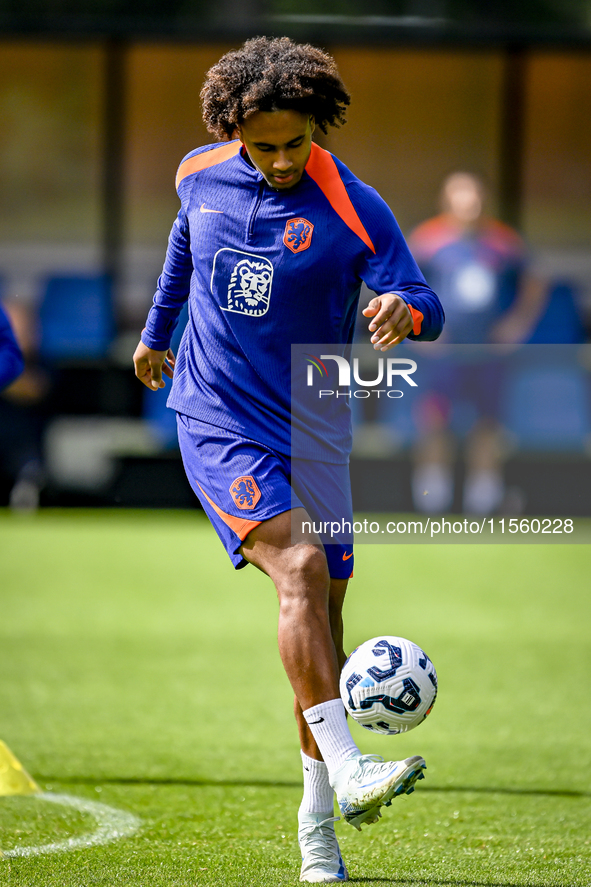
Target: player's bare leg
311 646
299 572
336 598
321 855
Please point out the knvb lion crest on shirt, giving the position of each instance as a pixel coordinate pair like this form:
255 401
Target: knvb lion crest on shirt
244 284
298 235
245 492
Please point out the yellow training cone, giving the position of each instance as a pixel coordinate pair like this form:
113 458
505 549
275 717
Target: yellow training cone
14 779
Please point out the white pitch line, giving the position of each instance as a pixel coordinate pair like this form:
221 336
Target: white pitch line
112 825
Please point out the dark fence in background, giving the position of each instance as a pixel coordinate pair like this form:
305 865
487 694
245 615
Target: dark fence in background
513 29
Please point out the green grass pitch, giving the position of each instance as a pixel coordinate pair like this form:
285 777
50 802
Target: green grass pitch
140 671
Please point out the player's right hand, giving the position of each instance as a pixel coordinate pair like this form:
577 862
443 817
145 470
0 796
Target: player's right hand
150 364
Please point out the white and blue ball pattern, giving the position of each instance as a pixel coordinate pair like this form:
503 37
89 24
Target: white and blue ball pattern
388 685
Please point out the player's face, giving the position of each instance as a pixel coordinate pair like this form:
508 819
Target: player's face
279 145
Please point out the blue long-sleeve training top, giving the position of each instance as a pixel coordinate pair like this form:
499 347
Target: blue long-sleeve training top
263 269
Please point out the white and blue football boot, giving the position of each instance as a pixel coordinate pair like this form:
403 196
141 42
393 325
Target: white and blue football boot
322 862
364 783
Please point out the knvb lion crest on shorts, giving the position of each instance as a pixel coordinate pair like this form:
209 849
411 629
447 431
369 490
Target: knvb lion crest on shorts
298 235
245 492
243 281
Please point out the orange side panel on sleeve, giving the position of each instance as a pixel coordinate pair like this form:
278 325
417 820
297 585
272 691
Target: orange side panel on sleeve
417 319
208 158
240 525
323 170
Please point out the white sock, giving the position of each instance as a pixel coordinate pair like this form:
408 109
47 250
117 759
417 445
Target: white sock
318 793
328 724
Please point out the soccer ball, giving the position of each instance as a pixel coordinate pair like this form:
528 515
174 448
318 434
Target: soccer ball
388 685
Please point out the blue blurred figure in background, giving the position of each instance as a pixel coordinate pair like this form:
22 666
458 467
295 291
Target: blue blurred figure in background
479 267
12 362
22 411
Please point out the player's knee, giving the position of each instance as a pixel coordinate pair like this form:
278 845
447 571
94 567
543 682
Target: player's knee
305 574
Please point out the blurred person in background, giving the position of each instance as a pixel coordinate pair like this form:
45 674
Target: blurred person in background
22 415
12 361
480 268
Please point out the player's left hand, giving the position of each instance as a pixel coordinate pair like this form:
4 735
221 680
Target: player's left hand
392 320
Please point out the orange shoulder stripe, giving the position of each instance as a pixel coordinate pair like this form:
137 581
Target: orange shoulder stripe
417 319
206 159
323 170
241 526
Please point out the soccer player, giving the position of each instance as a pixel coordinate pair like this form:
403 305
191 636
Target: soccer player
270 246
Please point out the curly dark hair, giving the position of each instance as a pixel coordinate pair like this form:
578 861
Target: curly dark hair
272 74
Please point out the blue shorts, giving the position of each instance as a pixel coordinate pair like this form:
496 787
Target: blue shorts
241 482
